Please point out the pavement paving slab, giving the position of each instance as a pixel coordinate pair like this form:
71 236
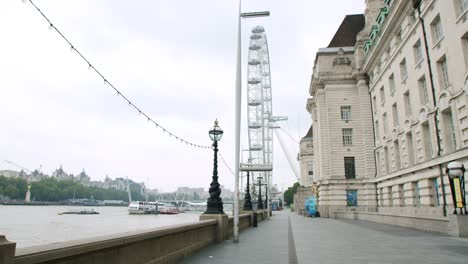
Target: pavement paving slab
290 238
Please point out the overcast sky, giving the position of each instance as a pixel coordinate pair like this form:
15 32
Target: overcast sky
175 59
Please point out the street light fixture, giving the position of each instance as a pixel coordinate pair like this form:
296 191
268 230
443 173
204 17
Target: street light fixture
260 201
247 198
215 203
456 173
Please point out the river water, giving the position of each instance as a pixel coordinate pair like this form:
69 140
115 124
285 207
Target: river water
38 225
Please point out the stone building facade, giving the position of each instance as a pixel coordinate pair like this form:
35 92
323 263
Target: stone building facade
306 159
417 61
342 124
404 80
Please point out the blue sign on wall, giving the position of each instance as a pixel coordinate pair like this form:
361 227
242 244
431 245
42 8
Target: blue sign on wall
311 205
351 197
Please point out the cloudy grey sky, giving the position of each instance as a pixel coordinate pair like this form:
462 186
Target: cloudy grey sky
174 59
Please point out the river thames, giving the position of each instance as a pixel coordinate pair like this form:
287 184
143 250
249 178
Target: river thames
38 225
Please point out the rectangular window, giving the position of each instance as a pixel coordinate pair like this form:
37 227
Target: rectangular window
403 70
387 161
381 197
396 150
465 48
385 123
437 31
417 195
351 198
346 113
423 93
377 131
462 6
418 53
390 196
407 100
374 103
398 37
310 167
449 136
395 114
382 95
410 149
426 134
350 172
377 159
401 195
347 136
391 83
436 192
443 72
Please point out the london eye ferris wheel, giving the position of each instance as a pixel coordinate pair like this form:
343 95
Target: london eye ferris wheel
259 103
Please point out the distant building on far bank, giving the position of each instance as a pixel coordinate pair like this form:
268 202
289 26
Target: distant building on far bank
9 173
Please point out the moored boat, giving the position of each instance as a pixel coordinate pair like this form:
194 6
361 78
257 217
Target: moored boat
81 212
137 207
167 208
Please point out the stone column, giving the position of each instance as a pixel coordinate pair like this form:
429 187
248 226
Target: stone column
426 192
409 195
7 251
387 196
396 196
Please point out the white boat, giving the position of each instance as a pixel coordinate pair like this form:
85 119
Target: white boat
137 207
167 208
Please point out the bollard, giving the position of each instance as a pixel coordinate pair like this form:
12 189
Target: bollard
7 251
255 219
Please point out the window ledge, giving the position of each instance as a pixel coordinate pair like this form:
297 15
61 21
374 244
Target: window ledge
403 81
438 42
462 16
418 64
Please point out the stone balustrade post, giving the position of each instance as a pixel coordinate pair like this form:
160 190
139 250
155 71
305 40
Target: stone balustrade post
7 251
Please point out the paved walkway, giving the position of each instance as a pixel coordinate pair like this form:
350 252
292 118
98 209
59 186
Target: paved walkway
289 238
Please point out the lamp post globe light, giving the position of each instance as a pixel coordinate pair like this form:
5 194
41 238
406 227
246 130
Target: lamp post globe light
215 203
456 172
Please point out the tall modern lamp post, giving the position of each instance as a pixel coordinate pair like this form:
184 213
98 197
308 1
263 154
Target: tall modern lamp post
456 173
215 203
238 115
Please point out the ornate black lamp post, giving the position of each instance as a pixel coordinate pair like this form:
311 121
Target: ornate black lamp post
215 203
260 202
247 198
456 173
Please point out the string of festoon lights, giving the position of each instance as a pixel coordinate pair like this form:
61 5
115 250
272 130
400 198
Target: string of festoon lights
225 164
107 82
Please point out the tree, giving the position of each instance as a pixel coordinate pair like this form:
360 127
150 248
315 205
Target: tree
289 193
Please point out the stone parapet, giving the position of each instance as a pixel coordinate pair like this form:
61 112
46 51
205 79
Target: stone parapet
158 245
7 251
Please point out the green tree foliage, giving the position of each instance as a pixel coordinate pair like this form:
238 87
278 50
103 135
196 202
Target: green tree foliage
289 193
14 188
51 189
